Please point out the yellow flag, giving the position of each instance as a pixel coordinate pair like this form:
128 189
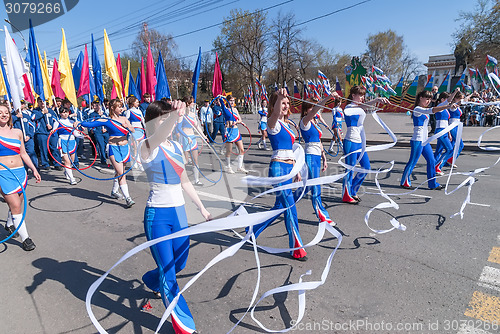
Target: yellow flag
3 86
67 83
127 80
47 88
110 63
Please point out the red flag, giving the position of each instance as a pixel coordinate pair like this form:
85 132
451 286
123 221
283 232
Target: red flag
55 82
143 79
114 95
217 81
84 87
151 78
28 95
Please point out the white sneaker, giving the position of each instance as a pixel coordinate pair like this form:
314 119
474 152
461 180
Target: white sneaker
73 182
116 195
259 145
242 170
229 170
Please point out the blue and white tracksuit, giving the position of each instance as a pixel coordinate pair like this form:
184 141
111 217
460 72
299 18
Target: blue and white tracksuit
354 119
314 150
420 134
444 149
455 115
282 139
165 214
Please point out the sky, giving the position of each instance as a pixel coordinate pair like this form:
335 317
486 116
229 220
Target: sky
426 27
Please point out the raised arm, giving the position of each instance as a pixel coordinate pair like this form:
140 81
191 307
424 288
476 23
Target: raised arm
164 129
277 108
315 109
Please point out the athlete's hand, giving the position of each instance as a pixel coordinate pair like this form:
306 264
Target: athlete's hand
325 165
206 214
37 176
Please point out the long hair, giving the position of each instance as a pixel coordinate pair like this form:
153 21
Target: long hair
114 103
272 102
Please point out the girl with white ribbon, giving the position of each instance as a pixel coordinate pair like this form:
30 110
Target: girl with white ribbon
12 155
282 162
444 148
164 164
455 115
315 154
420 118
355 141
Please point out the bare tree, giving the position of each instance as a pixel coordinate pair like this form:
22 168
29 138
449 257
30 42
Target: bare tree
284 37
387 51
242 46
159 42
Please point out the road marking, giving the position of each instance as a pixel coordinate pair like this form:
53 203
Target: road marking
491 277
484 307
466 329
494 255
479 204
415 195
221 198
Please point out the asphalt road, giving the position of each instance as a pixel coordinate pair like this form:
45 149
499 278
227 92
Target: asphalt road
441 275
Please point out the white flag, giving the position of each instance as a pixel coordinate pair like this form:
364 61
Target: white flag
15 70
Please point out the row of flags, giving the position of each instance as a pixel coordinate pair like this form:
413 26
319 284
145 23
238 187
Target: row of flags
69 82
378 84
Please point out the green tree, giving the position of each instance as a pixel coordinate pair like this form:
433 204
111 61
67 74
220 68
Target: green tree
284 37
481 30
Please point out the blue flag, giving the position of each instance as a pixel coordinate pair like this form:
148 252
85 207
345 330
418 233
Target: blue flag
162 90
138 84
132 88
196 76
96 67
5 79
77 70
36 69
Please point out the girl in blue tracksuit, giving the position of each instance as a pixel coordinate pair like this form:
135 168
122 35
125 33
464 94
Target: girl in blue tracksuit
338 116
420 117
444 149
118 127
67 142
282 138
354 118
315 154
455 115
164 164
